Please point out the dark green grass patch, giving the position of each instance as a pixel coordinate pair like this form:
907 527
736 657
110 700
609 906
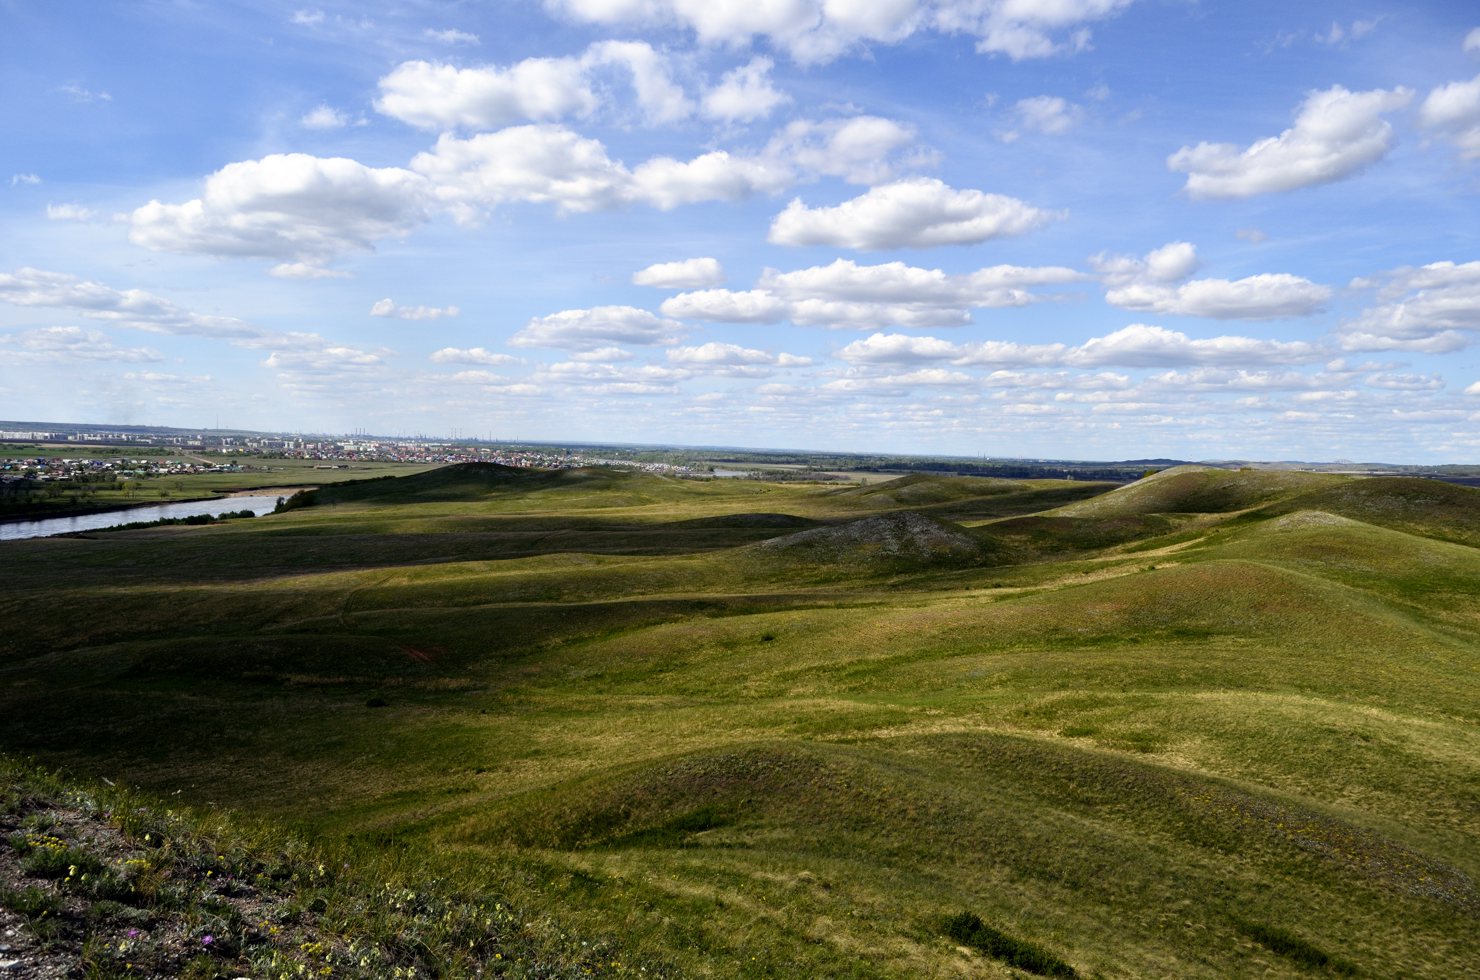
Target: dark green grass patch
968 929
677 831
1036 537
1294 948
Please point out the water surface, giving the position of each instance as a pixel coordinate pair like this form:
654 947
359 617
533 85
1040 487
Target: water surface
46 527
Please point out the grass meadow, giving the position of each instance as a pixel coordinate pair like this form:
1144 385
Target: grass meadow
1212 724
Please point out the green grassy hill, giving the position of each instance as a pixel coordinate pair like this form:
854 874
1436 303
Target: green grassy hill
1211 724
1201 490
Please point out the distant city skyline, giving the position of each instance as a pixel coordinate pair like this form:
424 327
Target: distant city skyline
1097 229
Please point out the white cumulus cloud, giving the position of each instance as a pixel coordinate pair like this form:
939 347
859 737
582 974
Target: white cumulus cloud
661 99
69 212
324 117
388 308
733 360
611 379
1138 345
726 306
49 344
896 282
666 183
1430 309
813 31
1454 110
744 94
329 370
450 36
898 348
469 355
546 164
540 164
439 96
602 355
921 212
125 307
1142 345
287 206
1258 297
1154 283
847 295
686 274
302 270
860 150
432 95
1171 262
304 210
1336 133
1023 30
1046 114
591 329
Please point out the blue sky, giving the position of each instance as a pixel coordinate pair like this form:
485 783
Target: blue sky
1077 228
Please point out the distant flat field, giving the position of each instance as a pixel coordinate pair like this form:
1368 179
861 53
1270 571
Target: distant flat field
1209 724
850 476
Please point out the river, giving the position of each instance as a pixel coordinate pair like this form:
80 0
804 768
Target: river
46 527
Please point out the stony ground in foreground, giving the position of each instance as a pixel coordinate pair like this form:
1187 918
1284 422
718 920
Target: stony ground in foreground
93 886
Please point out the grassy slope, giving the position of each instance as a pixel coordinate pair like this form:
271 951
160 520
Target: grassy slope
1142 732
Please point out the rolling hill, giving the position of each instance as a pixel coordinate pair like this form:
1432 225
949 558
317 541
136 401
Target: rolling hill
1213 723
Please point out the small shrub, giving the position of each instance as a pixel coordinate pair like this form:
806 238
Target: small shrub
968 929
47 857
39 822
31 902
303 498
108 886
144 826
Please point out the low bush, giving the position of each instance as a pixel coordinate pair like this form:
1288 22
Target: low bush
31 902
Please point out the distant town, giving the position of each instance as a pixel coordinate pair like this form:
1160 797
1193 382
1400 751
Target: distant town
152 452
156 454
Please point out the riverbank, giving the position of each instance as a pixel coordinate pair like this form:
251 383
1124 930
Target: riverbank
175 512
45 513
